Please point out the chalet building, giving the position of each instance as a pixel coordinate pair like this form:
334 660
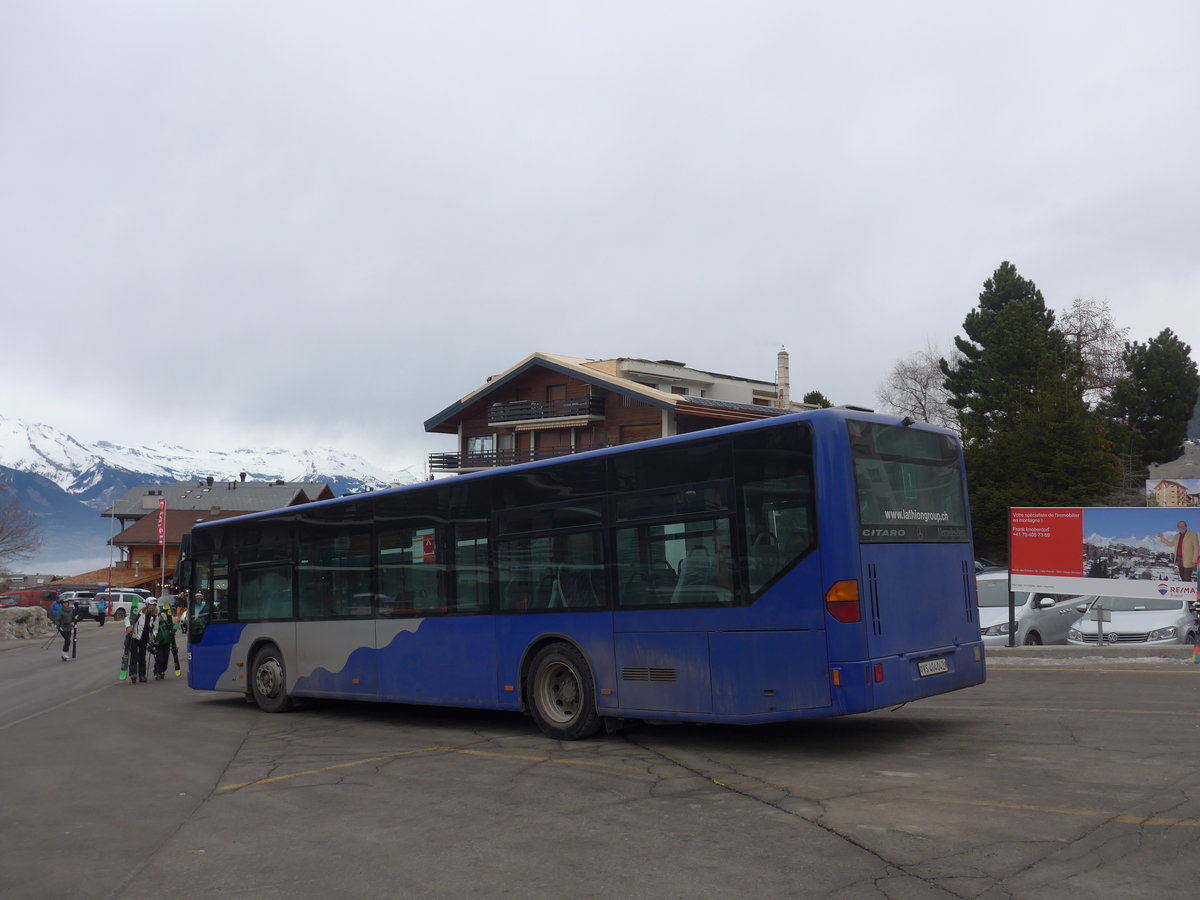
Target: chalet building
549 405
187 503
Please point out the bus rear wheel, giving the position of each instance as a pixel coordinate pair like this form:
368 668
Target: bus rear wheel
268 680
561 693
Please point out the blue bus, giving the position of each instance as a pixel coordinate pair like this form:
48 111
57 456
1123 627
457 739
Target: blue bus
812 564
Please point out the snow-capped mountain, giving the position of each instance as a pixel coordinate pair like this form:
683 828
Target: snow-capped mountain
95 473
1148 542
66 482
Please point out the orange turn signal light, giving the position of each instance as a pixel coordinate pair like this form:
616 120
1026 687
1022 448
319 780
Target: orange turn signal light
841 602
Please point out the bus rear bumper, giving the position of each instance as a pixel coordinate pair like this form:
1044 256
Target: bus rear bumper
911 676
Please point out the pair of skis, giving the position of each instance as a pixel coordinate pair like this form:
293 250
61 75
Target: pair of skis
74 638
125 659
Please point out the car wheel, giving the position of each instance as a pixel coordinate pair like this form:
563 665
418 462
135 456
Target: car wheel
1033 639
119 615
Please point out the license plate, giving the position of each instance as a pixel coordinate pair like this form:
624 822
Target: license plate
932 667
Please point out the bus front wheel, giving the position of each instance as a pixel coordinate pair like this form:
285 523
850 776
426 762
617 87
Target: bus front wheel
268 680
562 697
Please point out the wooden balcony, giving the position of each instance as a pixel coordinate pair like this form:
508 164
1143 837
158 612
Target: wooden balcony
491 459
586 409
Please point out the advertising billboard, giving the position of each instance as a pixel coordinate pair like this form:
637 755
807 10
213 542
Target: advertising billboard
1108 551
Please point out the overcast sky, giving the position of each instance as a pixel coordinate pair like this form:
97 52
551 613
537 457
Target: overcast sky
294 224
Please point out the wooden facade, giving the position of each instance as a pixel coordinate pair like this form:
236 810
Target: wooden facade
547 407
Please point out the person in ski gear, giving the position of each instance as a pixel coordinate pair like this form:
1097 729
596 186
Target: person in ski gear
101 611
164 642
141 630
64 621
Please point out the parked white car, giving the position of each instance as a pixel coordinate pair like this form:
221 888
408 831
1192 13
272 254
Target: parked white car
1040 618
1135 620
121 604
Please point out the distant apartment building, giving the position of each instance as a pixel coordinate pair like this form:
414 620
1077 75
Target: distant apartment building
1174 493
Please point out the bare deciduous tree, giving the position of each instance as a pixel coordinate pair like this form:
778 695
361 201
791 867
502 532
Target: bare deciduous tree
916 387
19 536
1089 327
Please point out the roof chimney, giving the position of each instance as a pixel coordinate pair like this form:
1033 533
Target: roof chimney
783 384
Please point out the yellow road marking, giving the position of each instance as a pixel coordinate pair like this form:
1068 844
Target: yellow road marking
390 756
42 712
1174 670
1022 807
1072 709
1088 813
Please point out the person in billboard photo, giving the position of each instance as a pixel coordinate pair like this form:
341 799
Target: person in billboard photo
1186 547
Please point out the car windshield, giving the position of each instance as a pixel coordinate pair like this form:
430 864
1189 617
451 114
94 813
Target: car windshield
1136 604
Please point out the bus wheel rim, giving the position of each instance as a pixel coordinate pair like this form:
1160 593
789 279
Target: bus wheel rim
268 677
558 693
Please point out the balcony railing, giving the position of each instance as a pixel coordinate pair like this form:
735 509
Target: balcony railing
532 410
490 459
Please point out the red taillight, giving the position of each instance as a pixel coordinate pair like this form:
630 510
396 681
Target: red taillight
841 601
878 672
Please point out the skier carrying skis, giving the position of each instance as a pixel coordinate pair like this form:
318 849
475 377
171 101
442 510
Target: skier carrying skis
164 643
65 623
141 631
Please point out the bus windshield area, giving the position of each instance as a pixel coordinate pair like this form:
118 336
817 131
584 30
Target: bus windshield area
909 484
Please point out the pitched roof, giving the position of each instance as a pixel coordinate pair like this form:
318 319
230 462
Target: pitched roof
602 374
245 496
696 405
144 532
122 577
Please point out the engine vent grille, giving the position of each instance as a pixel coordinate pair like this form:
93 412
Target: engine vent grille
647 673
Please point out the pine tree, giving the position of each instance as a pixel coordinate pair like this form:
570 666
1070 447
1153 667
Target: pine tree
1150 407
1028 436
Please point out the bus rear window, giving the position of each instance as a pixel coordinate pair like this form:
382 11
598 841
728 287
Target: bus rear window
909 485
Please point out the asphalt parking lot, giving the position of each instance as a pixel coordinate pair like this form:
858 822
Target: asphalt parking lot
1066 775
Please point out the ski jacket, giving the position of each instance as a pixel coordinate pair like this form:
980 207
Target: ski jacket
64 618
143 627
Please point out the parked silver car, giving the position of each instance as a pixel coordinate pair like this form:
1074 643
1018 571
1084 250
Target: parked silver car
1041 618
1135 620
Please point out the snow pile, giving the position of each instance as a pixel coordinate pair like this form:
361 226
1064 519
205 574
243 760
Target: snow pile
24 622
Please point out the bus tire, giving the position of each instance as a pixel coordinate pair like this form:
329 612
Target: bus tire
268 680
562 694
